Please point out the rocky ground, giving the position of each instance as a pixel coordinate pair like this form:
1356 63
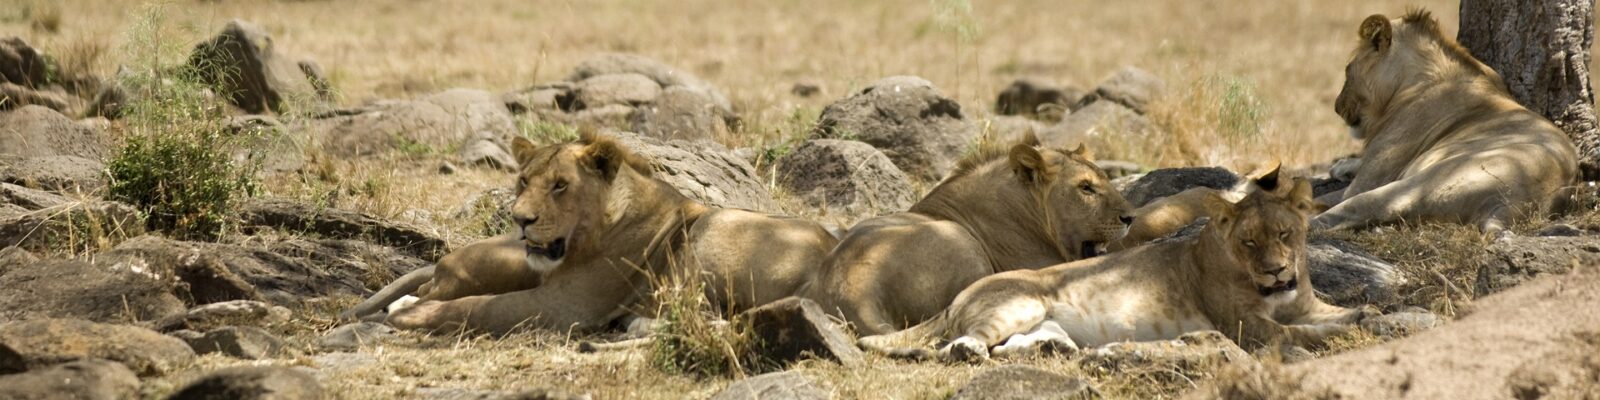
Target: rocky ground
99 300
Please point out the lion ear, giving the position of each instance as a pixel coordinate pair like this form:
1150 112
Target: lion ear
1028 164
1377 32
1267 178
605 156
1029 139
522 149
1084 151
1303 197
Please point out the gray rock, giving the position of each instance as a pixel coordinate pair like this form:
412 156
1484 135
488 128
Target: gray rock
546 98
1130 86
625 89
1020 382
680 113
844 174
1516 259
225 313
333 362
55 173
429 124
252 383
249 343
666 76
1026 96
922 131
61 288
72 226
1008 129
471 394
1347 276
788 330
29 199
343 224
786 385
1401 324
38 343
1194 354
806 88
14 96
22 64
34 131
243 62
704 171
1560 230
351 337
78 380
489 154
1099 118
1170 181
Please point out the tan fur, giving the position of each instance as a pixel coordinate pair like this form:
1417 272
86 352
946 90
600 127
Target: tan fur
1025 208
1166 216
1159 291
489 266
623 228
1443 139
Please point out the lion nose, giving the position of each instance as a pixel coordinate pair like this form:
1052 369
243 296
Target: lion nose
1275 271
1126 219
525 221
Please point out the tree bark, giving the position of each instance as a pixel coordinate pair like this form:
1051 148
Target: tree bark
1541 48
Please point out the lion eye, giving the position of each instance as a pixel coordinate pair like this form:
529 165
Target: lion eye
1250 243
558 187
1283 236
1086 187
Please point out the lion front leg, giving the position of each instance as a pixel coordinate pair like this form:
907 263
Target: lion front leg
436 316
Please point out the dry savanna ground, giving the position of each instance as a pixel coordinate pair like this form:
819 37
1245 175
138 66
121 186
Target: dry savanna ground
1271 66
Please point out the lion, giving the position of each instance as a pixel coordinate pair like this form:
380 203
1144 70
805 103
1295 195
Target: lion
600 230
1443 140
1027 208
1171 214
490 266
1244 274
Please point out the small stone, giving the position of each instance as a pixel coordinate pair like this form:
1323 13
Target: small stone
83 379
249 343
352 336
225 313
253 383
1130 86
1022 382
806 88
1401 324
786 385
446 168
1560 230
787 329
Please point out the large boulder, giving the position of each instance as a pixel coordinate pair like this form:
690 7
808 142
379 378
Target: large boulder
34 131
631 93
1348 276
448 120
604 90
1019 382
69 226
56 288
1036 98
243 64
664 75
1170 181
922 131
1131 87
679 113
343 224
21 64
794 328
844 174
39 343
253 383
56 173
78 380
1513 260
704 171
1096 119
249 343
786 385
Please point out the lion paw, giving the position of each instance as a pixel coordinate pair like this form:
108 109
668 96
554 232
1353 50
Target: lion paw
966 349
431 316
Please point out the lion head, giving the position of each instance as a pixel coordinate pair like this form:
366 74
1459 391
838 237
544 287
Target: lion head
1082 204
563 192
1390 57
1265 233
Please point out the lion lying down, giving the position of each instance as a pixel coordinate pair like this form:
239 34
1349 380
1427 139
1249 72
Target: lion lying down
1244 274
595 233
1443 139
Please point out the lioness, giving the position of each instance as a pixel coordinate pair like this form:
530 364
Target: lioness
1244 274
1170 214
591 215
1027 208
490 266
1443 139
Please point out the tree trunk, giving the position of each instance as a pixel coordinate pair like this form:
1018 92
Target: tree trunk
1541 48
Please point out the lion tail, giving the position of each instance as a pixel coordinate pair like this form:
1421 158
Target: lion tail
407 284
911 343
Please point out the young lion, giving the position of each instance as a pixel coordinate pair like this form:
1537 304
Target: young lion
1244 274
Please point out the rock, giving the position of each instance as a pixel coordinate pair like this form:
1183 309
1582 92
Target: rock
252 383
703 171
351 337
231 312
343 224
1560 230
38 343
806 88
432 123
625 89
786 385
57 288
14 96
34 131
21 64
1025 97
249 343
466 394
84 380
680 113
1170 181
1326 186
1512 260
1022 382
242 62
331 363
1401 324
1130 86
1008 129
1099 118
29 199
110 102
845 174
922 131
278 270
73 226
489 154
546 98
787 329
1194 354
666 76
55 173
1347 276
